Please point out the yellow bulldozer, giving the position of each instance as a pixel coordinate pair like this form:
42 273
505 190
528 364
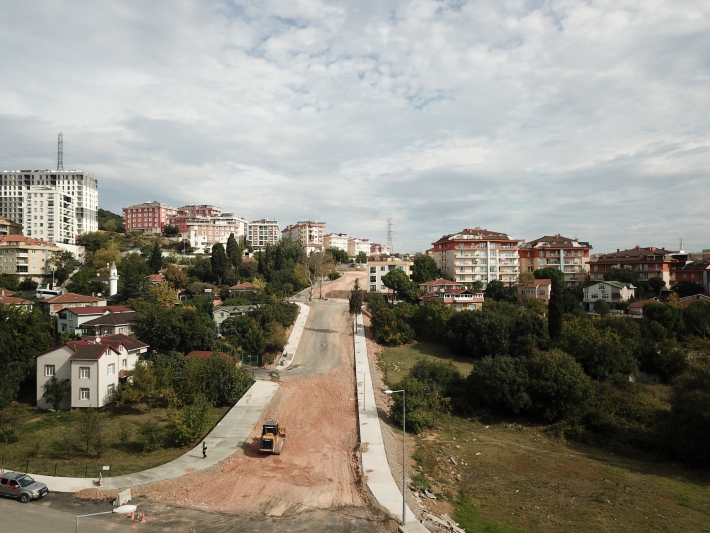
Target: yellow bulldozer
272 437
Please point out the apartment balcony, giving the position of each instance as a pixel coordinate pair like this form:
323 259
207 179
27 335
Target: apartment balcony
23 254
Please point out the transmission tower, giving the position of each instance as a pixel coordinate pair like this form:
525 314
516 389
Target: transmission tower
60 152
389 234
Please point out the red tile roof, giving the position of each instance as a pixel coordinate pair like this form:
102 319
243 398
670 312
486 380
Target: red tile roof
26 240
70 297
439 282
156 278
89 349
99 310
243 287
10 300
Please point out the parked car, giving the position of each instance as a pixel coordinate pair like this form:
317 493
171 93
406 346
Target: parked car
22 487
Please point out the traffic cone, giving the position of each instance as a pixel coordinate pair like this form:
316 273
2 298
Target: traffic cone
130 515
143 517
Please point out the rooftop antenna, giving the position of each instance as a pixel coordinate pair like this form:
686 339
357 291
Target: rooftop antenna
60 151
389 234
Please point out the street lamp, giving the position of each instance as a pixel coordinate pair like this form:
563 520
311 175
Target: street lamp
404 453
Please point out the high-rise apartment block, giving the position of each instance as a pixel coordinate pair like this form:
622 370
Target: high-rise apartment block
151 217
308 233
478 255
263 232
338 241
52 205
568 255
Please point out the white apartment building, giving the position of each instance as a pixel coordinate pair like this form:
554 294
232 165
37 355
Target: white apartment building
338 241
355 246
204 232
52 205
478 255
380 266
263 232
308 233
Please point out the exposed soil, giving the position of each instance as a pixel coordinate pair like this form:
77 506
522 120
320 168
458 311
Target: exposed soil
341 287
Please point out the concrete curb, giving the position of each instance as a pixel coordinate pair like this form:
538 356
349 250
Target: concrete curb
289 352
374 459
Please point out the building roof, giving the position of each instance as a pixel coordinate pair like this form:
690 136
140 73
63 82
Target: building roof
11 300
637 252
243 287
537 283
112 319
476 233
556 241
641 303
90 349
71 297
696 265
99 310
7 221
249 260
26 240
617 284
690 300
156 278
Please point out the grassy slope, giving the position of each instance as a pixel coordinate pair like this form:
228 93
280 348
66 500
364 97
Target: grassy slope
524 481
400 360
37 437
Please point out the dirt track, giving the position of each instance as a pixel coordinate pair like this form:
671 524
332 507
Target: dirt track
319 468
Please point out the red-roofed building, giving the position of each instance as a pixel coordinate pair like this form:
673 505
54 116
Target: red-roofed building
156 278
646 262
458 299
25 305
695 272
540 289
243 287
93 368
71 300
568 255
435 285
478 255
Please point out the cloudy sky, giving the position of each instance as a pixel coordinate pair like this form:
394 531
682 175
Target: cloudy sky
585 118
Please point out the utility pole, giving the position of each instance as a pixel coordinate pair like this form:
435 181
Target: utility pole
60 151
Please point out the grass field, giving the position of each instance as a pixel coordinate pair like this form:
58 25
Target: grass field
38 448
399 360
512 478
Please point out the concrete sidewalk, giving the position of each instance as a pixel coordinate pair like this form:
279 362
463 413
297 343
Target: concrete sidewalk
289 352
226 438
374 459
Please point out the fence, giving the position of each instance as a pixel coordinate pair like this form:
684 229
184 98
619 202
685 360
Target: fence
46 467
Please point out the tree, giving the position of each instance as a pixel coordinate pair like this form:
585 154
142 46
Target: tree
424 268
390 327
479 333
109 221
93 241
133 270
656 284
624 275
171 230
155 261
690 415
63 263
667 315
176 277
356 299
55 390
144 387
10 421
397 281
189 422
602 308
558 386
317 264
106 256
499 383
687 288
526 278
28 285
254 340
496 291
696 318
234 252
361 257
556 304
163 294
430 320
339 256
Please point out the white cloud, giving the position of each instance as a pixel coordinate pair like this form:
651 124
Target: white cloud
583 118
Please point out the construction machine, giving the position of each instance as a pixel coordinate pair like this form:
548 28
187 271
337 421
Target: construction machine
272 437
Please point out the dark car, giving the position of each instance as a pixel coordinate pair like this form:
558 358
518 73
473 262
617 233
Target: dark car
22 487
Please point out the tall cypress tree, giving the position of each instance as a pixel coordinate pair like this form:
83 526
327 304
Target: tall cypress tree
220 262
234 251
155 262
555 307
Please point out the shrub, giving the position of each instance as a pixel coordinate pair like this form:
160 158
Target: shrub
151 436
499 383
690 415
189 422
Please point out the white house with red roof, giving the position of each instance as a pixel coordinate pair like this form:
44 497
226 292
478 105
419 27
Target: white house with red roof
7 298
93 368
457 299
71 300
436 285
538 288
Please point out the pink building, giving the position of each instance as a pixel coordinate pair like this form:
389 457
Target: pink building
379 249
191 212
149 216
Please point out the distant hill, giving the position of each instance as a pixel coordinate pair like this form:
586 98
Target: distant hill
109 221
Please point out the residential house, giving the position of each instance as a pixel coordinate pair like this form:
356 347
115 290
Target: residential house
71 300
9 227
436 285
7 298
223 312
539 289
94 368
25 257
695 272
478 255
457 299
379 266
567 255
242 287
110 324
612 292
71 319
308 233
154 279
647 263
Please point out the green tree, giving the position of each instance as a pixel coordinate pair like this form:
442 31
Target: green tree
418 403
556 304
497 291
254 340
656 284
93 241
171 230
667 315
144 387
397 281
687 288
339 256
356 299
431 319
690 415
389 326
10 421
696 318
558 387
234 252
361 258
155 261
424 268
109 221
479 333
602 308
176 277
55 390
189 422
624 275
63 263
499 383
132 271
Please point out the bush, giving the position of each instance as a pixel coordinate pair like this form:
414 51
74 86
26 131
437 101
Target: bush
499 383
444 376
189 422
151 436
479 333
417 402
690 415
390 327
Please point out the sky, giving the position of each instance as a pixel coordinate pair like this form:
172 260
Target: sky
585 118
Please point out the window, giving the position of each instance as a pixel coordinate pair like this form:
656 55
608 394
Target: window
111 369
48 370
110 390
373 279
373 270
373 288
84 372
382 269
84 394
601 287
